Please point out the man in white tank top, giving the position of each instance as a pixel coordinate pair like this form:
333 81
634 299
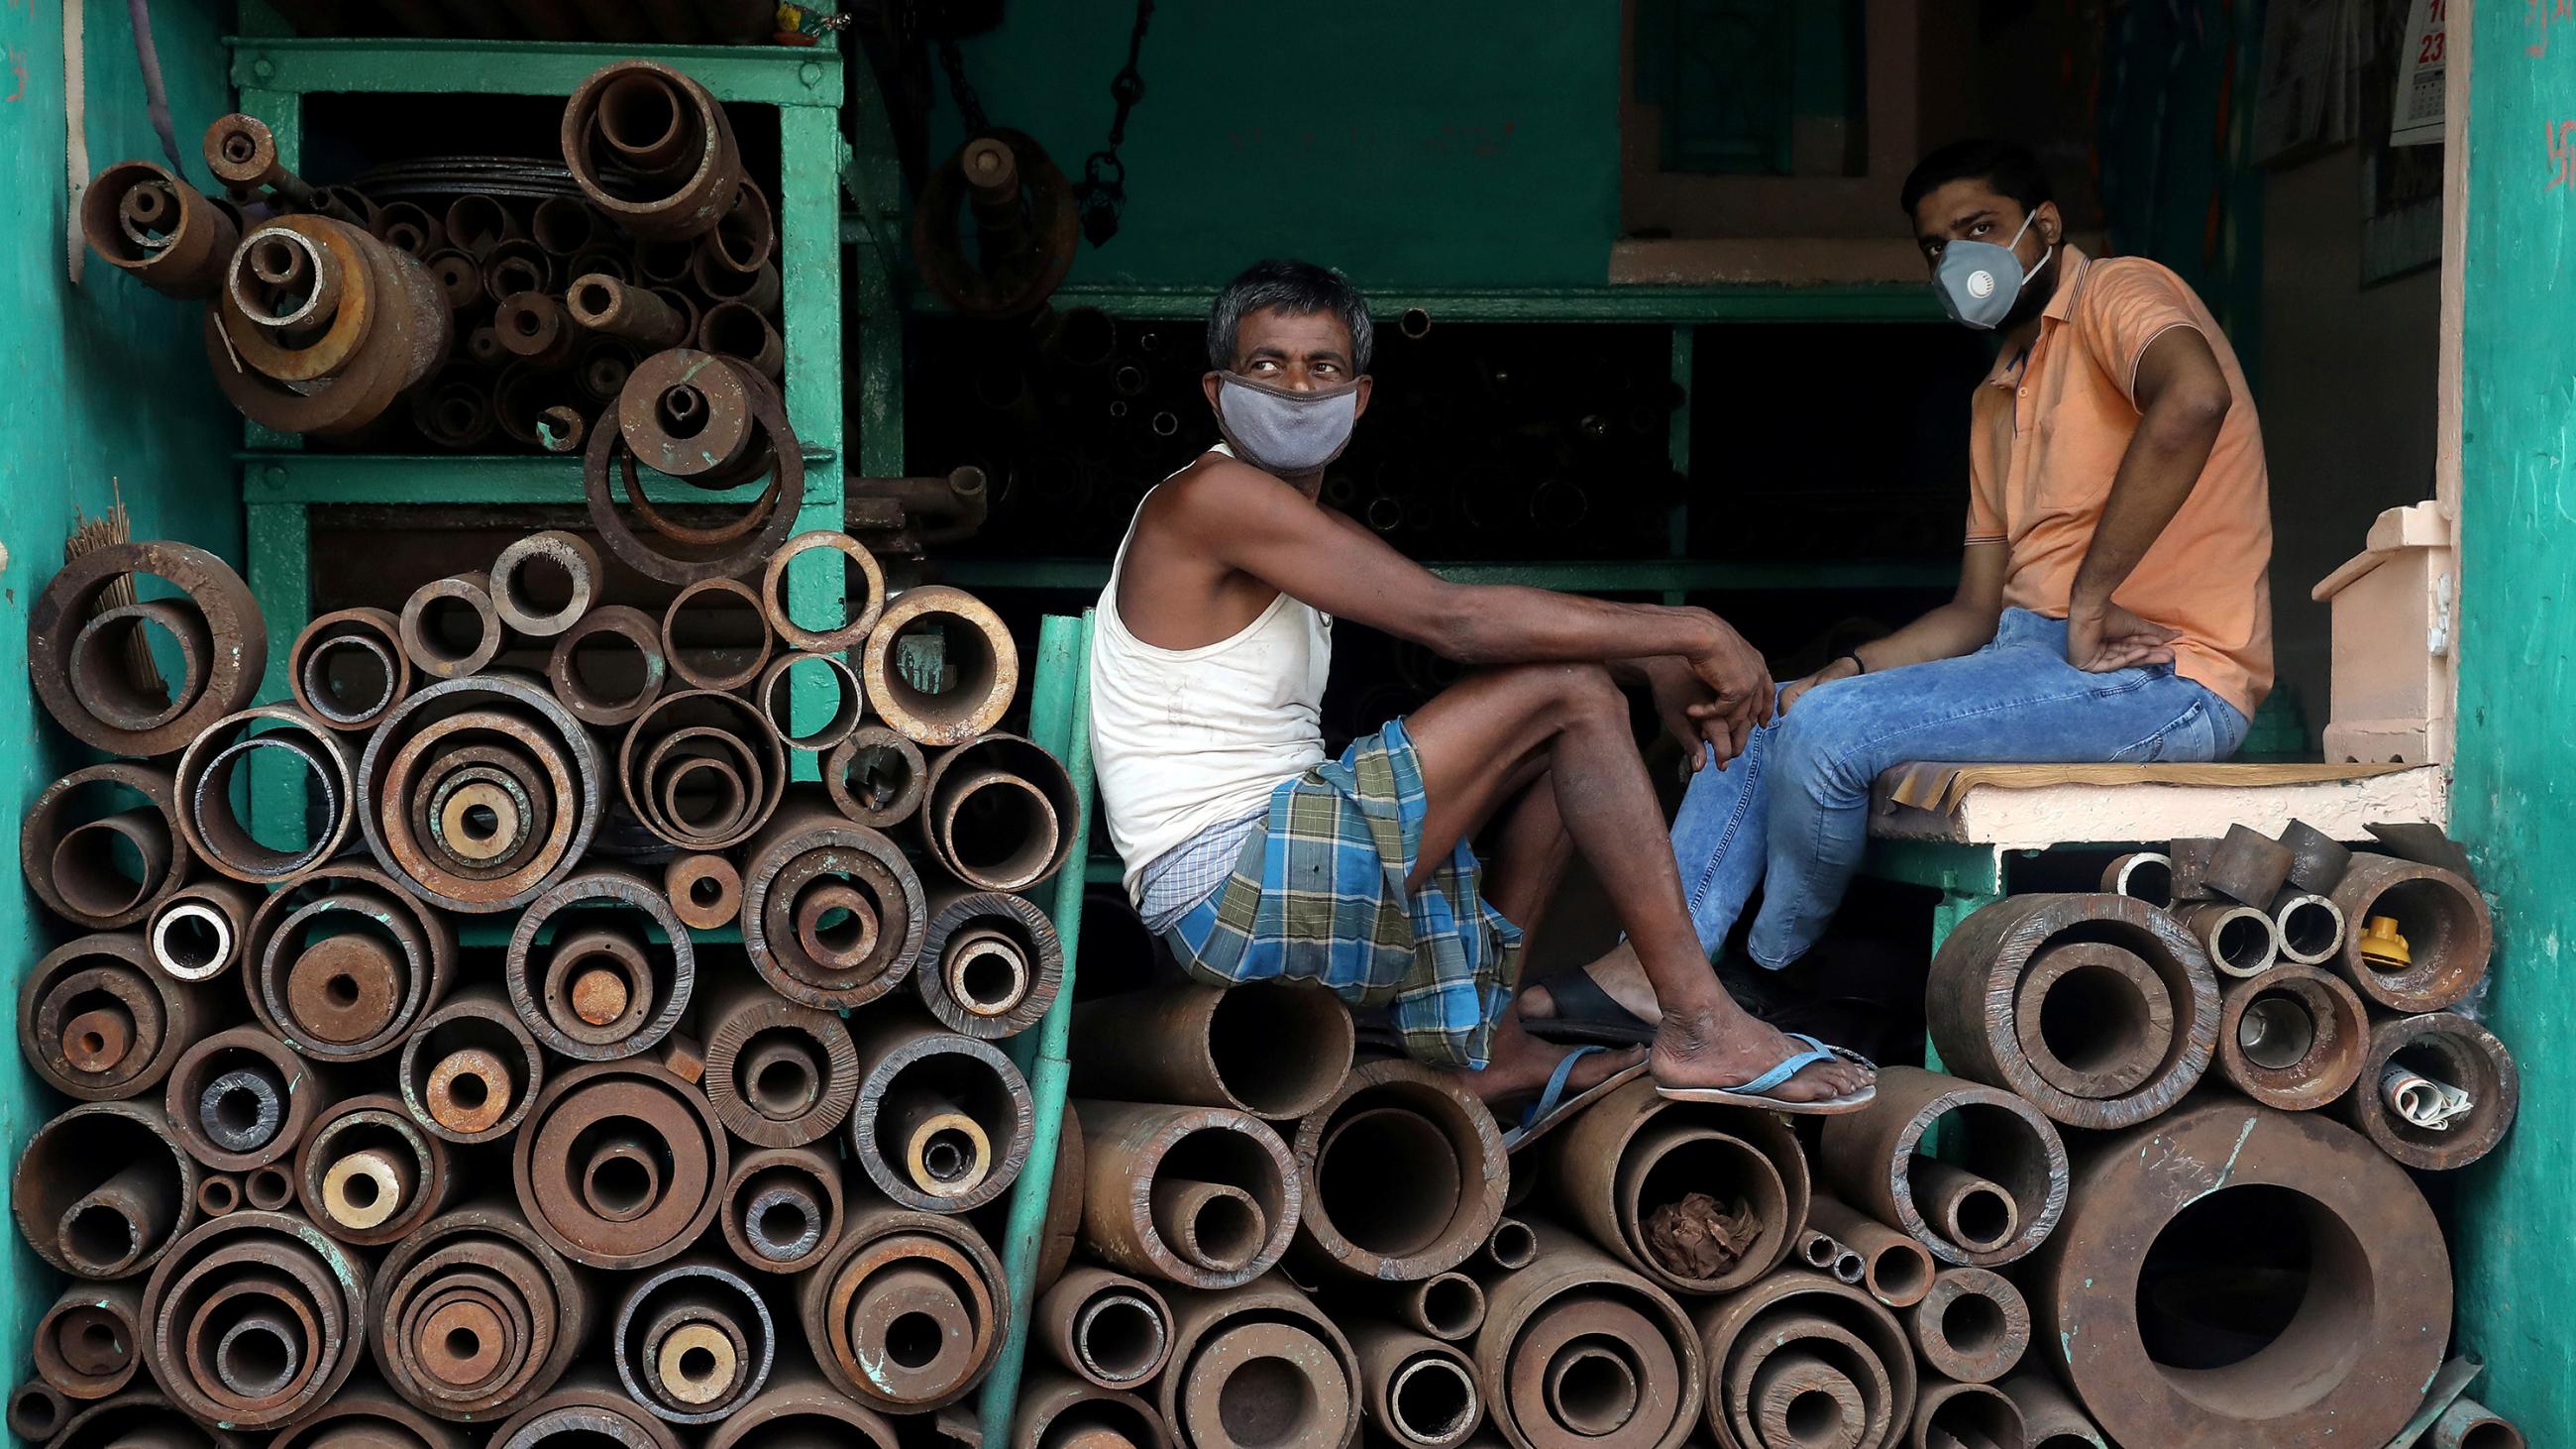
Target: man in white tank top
1256 857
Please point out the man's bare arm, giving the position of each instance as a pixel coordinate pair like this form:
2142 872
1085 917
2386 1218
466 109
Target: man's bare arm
1252 522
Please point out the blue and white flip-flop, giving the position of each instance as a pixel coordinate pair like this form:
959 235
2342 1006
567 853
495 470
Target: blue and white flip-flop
1756 1093
1552 1106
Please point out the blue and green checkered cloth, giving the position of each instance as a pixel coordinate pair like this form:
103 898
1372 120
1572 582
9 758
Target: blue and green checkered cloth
1318 894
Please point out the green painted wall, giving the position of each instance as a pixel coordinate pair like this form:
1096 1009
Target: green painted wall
2516 779
1429 142
105 381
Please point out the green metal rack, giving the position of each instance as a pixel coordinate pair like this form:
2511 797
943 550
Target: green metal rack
282 481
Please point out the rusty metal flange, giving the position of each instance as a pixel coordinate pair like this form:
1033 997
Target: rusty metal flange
2363 1320
2107 1038
85 686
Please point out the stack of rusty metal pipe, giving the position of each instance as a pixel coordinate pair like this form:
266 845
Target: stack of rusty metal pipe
452 1047
475 302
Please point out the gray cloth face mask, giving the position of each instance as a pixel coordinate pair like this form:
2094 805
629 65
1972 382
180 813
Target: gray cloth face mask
1280 430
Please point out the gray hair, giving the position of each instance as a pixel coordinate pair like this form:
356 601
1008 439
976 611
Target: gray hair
1299 289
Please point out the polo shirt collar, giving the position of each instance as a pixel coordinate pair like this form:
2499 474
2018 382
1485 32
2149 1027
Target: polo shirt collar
2061 305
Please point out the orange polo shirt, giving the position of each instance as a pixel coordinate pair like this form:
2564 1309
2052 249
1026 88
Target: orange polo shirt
2047 433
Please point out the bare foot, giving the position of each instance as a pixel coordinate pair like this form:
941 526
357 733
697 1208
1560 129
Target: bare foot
1521 1065
1618 975
1729 1048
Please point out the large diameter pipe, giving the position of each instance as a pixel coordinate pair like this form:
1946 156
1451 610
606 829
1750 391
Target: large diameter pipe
2449 1051
2288 1216
1059 1411
99 865
97 1022
136 1418
2099 1010
1896 1270
254 1318
833 913
1967 1415
999 813
906 1312
104 1189
621 1164
2293 1037
1633 1169
780 1073
1258 1365
598 984
1869 1158
977 669
1438 1206
1417 1391
693 1340
367 1415
462 837
476 1315
1144 1170
1272 1049
1973 1326
801 1409
1798 1335
1107 1328
342 962
1576 1345
2441 925
588 1408
943 1123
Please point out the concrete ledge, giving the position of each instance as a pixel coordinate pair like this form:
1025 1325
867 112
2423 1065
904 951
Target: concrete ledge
2033 807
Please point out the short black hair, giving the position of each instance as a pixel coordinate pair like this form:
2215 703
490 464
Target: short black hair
2007 166
1299 289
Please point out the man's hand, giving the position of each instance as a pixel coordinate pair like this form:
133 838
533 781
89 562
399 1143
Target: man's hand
1740 685
2104 637
1842 668
1679 699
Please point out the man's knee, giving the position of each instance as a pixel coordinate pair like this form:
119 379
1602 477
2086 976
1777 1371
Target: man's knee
1567 692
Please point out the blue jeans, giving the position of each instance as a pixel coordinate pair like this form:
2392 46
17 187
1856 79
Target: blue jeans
1791 813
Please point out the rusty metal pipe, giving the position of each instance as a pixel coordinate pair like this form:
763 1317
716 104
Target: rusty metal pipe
1897 1269
876 777
2145 875
1978 1215
905 1312
812 862
1973 1326
730 667
2468 1424
268 1188
203 789
2309 928
38 1411
218 1193
683 742
449 626
2293 1037
140 1419
946 509
2246 868
98 1022
343 961
1057 1411
663 127
620 696
348 668
587 1408
72 847
990 963
1417 1390
776 692
2241 941
2443 922
2454 1051
692 1340
543 584
2288 1218
367 1174
2099 1009
1258 1365
253 1319
1576 1344
1107 1328
471 1070
979 667
1627 1169
88 1343
783 1207
607 304
1969 1415
155 227
1431 1217
1000 813
240 1099
779 1073
613 978
97 704
1797 1332
491 830
1274 1050
1130 1148
2317 862
476 1315
1869 1156
942 1123
2052 1417
621 1164
1512 1246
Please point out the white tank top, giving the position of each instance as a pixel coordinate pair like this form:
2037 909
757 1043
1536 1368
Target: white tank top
1182 739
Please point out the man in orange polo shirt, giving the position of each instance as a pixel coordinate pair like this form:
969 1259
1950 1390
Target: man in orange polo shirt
2112 601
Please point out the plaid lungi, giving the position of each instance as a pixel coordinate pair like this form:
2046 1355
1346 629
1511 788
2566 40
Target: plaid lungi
1318 894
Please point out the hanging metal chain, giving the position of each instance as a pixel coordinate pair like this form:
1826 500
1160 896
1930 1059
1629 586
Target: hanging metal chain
1102 192
969 105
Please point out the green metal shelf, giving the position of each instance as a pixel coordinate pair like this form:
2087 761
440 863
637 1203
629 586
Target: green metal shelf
1668 305
1604 576
281 480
